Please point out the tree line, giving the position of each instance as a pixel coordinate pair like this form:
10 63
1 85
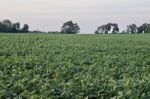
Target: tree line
131 29
7 26
73 28
113 28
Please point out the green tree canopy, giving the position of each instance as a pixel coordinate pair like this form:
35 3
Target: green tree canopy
70 28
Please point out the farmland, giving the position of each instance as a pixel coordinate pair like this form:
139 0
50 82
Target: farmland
74 66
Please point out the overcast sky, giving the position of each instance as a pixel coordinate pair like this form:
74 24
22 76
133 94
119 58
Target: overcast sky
49 15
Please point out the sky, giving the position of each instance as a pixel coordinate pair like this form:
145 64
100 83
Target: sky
49 15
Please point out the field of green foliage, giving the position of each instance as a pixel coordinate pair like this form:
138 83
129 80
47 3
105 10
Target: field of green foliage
46 66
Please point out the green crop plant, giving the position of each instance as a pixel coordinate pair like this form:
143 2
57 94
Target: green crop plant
45 66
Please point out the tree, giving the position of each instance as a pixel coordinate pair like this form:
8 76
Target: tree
1 27
7 23
99 30
104 29
144 28
107 28
115 28
96 32
148 31
16 27
70 28
6 26
76 28
25 28
132 28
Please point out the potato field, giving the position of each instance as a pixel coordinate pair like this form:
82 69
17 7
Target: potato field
48 66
